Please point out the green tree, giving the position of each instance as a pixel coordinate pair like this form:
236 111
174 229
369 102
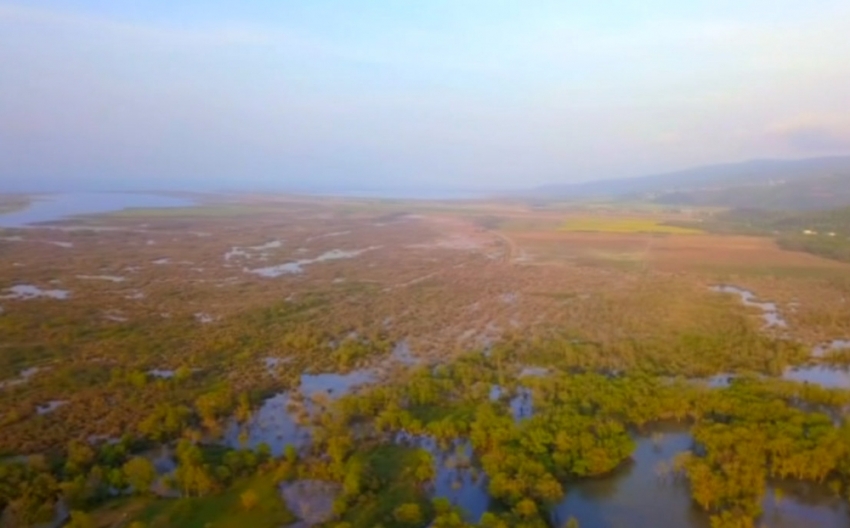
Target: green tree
140 474
409 513
80 458
526 508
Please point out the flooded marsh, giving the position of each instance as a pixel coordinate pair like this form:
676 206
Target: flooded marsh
275 323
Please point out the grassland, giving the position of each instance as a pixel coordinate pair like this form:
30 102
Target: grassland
224 510
618 224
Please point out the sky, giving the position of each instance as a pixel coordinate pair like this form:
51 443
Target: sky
478 94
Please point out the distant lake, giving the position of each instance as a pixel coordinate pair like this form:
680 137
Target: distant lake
54 207
401 194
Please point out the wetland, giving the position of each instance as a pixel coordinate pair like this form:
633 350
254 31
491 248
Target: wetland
359 362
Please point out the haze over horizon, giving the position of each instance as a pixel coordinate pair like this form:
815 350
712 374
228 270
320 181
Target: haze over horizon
479 95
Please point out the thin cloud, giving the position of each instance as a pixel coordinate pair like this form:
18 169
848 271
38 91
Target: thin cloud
519 97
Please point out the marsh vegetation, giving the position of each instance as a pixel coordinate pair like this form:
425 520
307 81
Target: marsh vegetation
272 360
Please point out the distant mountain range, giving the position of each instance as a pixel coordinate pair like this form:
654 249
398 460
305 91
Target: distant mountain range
816 183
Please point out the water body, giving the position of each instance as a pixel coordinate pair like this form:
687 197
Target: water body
272 363
273 424
28 291
826 376
55 207
252 251
334 384
770 313
642 492
521 405
455 479
636 494
403 354
803 505
291 268
50 406
825 348
719 381
429 193
639 494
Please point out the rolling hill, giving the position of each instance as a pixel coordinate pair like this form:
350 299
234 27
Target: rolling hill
816 183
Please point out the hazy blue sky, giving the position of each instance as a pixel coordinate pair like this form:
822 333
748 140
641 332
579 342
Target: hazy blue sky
444 92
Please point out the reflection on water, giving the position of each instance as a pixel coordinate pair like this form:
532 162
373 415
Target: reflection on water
62 206
635 495
334 384
719 381
521 405
642 494
796 504
456 479
832 346
274 424
824 375
162 459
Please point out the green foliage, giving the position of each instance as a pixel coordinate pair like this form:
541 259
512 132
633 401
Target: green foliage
214 405
225 510
28 491
409 514
80 458
379 489
824 245
823 233
140 474
750 433
165 422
